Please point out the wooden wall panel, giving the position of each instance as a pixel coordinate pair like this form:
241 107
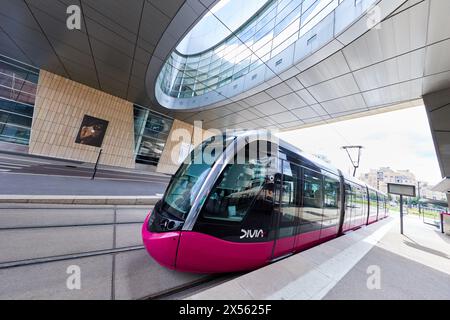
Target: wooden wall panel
59 110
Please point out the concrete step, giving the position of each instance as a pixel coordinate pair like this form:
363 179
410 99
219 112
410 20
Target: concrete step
69 199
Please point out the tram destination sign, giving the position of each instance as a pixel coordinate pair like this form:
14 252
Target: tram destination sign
402 189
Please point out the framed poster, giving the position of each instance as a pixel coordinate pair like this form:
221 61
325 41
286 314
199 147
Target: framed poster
92 131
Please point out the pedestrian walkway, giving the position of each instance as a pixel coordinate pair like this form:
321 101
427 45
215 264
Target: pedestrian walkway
24 175
374 262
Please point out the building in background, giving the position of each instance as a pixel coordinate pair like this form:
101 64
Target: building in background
379 178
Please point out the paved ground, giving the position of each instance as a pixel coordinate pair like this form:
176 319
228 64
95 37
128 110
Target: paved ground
25 175
413 266
39 243
374 262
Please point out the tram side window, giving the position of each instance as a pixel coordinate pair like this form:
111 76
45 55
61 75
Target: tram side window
312 212
331 201
373 203
238 187
312 193
290 199
331 193
359 202
349 202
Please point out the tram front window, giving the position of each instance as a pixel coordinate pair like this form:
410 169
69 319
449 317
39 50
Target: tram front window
191 175
238 186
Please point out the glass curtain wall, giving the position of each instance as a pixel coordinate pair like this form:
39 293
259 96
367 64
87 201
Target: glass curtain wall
273 28
151 131
18 85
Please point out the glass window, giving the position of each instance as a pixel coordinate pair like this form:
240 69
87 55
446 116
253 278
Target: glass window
331 192
10 118
359 205
349 204
189 178
287 18
290 199
312 213
15 107
331 201
151 131
238 186
14 134
18 85
277 26
373 203
312 189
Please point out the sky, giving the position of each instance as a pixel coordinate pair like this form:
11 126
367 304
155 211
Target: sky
399 139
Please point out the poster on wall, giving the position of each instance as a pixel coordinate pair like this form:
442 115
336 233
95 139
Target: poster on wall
92 131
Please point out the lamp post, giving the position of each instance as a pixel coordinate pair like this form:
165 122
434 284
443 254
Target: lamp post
355 162
96 164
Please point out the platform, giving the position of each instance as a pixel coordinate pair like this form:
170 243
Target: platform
374 262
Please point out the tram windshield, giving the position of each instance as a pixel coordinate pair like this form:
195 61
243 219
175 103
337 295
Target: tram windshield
189 178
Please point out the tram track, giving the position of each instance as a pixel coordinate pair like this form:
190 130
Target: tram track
192 288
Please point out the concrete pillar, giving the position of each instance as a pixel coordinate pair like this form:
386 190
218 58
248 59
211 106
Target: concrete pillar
437 105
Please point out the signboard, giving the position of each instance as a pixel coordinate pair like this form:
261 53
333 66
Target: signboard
402 189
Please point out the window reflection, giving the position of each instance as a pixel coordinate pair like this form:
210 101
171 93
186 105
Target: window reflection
311 217
279 24
290 199
238 187
18 85
151 131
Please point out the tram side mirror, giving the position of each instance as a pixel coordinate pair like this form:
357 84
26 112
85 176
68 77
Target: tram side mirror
170 225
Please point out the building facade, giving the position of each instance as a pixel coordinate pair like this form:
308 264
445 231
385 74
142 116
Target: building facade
379 179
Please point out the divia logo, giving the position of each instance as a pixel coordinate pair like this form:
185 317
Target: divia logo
250 234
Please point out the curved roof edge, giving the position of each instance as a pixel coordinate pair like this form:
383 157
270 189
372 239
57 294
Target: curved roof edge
185 19
242 26
343 36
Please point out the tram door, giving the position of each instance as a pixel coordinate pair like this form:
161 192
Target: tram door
287 208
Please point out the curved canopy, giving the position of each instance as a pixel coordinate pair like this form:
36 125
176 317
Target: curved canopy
218 24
